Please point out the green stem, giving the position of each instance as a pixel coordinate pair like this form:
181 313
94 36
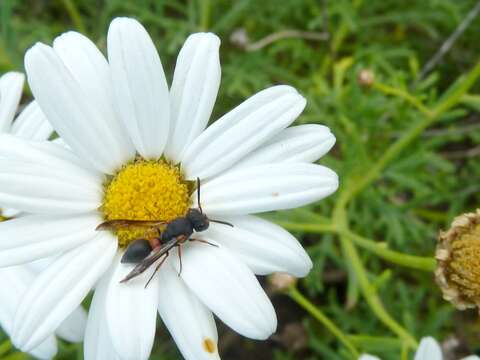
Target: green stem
371 296
396 257
368 290
404 352
389 90
205 14
367 341
75 15
456 95
5 347
307 227
411 261
322 318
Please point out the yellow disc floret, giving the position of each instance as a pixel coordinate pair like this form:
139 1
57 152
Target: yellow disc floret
145 190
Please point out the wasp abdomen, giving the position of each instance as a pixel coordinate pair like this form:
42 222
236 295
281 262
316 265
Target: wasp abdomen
136 252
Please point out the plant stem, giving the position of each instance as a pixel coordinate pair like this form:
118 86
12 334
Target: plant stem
403 94
5 347
322 318
75 15
411 261
371 296
205 15
307 227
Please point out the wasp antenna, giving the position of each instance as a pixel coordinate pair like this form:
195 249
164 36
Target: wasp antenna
198 195
221 222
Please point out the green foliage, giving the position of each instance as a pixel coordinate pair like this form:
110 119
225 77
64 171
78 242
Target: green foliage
407 148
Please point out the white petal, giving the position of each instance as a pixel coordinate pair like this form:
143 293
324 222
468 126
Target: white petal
56 187
131 311
241 131
368 357
140 87
190 323
32 124
34 237
297 144
82 123
90 69
229 289
11 86
48 159
194 90
46 350
73 327
60 289
98 345
10 212
262 245
471 357
16 280
429 349
50 153
266 188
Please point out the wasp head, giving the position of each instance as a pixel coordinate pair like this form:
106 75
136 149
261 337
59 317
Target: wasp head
198 219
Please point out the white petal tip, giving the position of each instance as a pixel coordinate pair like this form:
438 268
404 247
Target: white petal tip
13 76
125 21
67 36
305 269
330 141
206 36
38 46
33 53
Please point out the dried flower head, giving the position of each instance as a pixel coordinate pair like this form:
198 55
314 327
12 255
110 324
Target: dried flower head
458 257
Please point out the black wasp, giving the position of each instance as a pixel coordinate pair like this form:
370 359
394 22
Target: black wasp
145 252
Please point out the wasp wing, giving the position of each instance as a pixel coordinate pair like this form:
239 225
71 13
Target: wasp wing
156 254
122 224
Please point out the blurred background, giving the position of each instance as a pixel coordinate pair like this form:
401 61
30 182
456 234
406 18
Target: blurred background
407 152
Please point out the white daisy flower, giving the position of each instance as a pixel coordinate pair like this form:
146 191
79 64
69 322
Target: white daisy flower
30 124
136 150
429 349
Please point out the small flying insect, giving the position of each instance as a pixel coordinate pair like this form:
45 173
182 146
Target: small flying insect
144 253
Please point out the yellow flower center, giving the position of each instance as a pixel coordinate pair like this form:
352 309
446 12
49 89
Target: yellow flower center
145 190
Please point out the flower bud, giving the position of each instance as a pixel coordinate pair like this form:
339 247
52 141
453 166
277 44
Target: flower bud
281 282
240 38
366 78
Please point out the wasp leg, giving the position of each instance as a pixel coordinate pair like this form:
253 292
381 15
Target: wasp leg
157 268
205 242
180 259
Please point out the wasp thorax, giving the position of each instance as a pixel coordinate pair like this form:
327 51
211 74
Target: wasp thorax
458 256
145 190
